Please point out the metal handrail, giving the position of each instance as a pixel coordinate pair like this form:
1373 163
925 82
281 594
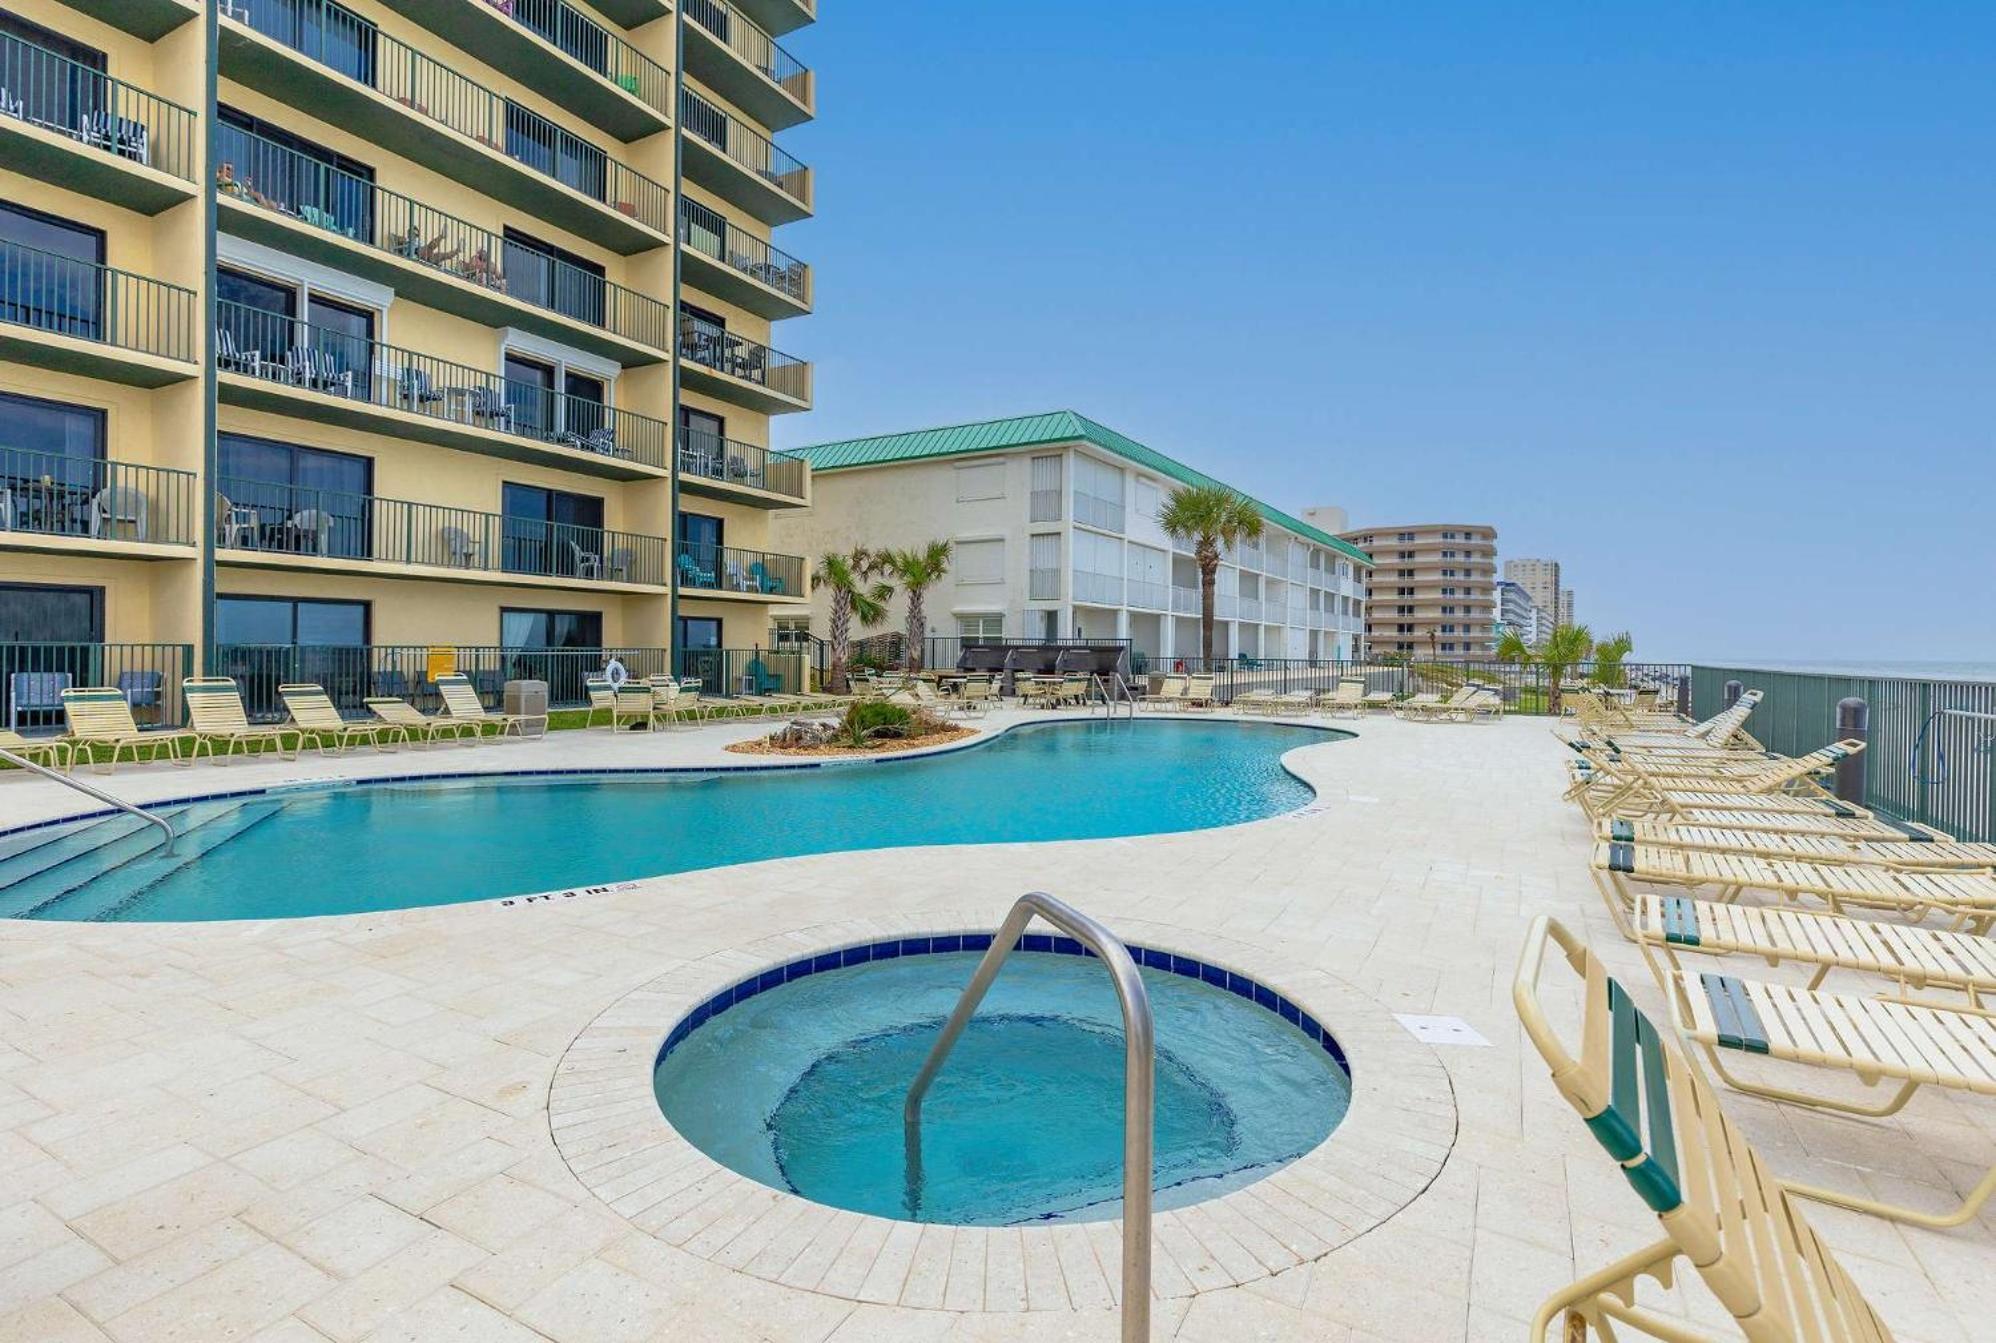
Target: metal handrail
98 793
1139 1090
1114 690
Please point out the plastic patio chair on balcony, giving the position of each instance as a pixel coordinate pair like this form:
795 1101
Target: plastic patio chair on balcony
33 693
758 679
588 564
309 532
491 407
115 506
765 582
414 388
460 550
142 690
235 525
233 358
620 563
691 575
738 581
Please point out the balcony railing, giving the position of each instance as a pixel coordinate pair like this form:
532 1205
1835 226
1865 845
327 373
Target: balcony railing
1043 585
725 569
1250 608
49 494
351 46
265 173
712 347
291 353
67 297
711 457
1098 589
746 147
1151 596
1093 511
1185 601
350 673
746 253
72 100
34 675
273 518
597 47
747 40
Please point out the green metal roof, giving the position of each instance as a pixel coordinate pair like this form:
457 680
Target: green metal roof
1030 431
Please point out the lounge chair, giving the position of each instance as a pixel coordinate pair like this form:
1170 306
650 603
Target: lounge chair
417 726
100 716
1721 1209
1855 828
977 695
1378 700
671 703
461 702
1635 785
49 752
1347 701
1891 850
1198 692
636 703
215 707
1967 897
1426 708
602 700
1913 1043
319 722
1170 694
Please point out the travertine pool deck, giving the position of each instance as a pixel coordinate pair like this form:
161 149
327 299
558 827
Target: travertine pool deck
365 1127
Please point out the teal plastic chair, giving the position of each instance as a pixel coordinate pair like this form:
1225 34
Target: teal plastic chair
761 680
767 582
691 575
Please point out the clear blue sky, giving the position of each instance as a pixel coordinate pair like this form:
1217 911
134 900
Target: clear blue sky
1697 297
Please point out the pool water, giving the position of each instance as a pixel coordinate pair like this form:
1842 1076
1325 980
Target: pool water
364 847
801 1088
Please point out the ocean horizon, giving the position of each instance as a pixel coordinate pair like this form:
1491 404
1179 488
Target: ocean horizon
1915 670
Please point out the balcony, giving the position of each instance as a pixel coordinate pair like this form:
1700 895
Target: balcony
34 675
1148 595
740 164
61 313
1185 601
147 19
1095 589
66 123
727 365
268 525
68 505
293 202
722 260
780 16
567 57
731 54
323 61
721 468
1250 609
290 367
739 573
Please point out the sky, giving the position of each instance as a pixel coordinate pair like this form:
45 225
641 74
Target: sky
1696 298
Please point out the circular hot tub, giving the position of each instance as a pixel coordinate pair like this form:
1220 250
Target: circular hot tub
795 1077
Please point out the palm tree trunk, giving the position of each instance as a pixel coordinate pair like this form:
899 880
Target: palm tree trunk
841 628
918 628
1207 575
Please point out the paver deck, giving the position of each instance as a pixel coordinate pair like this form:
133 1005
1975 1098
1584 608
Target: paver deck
340 1128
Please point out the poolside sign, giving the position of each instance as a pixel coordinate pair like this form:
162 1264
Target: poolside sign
442 662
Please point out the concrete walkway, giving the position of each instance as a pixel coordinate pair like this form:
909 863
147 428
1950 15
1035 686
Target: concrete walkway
339 1128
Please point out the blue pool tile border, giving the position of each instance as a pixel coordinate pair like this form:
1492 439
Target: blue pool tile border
893 948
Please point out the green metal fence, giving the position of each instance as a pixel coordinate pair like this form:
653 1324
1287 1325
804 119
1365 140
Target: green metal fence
1952 783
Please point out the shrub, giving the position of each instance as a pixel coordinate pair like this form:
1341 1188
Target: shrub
874 720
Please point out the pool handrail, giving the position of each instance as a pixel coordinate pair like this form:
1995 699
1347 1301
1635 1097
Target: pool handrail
1139 1089
166 827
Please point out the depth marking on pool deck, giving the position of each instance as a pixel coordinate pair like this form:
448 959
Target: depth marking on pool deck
544 897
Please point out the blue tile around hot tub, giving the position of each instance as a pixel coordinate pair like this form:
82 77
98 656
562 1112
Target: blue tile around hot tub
1290 1012
914 946
828 961
977 941
855 956
1265 997
1037 942
1214 975
1067 946
886 951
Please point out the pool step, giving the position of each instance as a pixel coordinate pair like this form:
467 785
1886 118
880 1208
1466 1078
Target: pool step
111 895
32 883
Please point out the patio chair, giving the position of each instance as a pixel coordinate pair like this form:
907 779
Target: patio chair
100 716
977 696
117 506
673 704
143 690
764 581
1889 849
740 581
215 708
1415 708
418 727
692 574
587 563
235 524
1379 700
635 702
1633 784
1721 1209
1170 694
758 679
1347 700
415 390
1198 692
1852 829
310 531
319 723
460 550
461 703
32 693
233 358
48 752
602 700
491 408
620 563
327 374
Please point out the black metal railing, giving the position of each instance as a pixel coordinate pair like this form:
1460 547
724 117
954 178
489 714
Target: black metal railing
264 173
596 47
51 494
726 569
350 673
727 672
718 238
72 100
747 40
342 41
67 297
745 146
292 353
713 347
34 675
299 520
712 457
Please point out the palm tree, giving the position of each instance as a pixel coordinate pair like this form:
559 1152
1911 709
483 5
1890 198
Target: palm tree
857 594
1513 649
1608 655
1211 518
919 570
1565 648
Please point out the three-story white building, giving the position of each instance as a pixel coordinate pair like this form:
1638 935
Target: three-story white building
1054 522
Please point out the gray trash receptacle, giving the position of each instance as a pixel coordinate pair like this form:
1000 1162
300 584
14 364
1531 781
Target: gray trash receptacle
528 699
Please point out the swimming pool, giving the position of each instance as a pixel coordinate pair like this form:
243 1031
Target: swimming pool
800 1085
362 847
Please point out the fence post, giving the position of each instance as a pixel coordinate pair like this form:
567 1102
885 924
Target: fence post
1733 691
1684 695
1853 720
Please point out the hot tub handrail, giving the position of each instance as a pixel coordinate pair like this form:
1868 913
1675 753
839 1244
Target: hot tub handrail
1139 1092
66 781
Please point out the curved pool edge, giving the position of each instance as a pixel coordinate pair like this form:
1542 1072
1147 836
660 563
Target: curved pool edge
983 737
1395 1137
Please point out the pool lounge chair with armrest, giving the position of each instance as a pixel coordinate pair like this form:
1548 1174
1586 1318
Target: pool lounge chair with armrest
461 702
419 727
1170 693
602 700
1721 1209
1347 700
319 722
1892 850
48 752
1855 828
1198 692
215 708
100 716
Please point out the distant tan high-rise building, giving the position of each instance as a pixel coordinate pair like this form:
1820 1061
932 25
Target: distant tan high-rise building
1540 580
1566 606
1432 591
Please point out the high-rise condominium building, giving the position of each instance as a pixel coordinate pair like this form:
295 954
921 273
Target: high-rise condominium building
1432 591
1054 522
1540 580
351 341
1517 613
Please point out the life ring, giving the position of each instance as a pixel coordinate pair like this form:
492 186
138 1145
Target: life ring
615 674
